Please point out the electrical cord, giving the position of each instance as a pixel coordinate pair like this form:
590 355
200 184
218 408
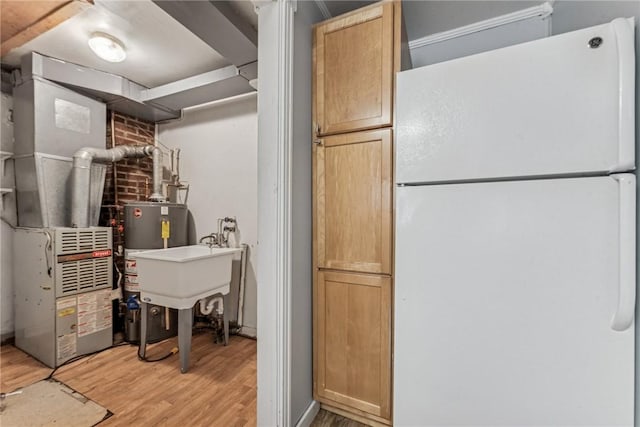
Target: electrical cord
83 356
173 351
93 353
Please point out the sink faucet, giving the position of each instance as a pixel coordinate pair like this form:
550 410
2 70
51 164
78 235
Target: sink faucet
220 239
212 240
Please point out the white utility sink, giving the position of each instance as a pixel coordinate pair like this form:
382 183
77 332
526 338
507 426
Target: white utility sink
179 277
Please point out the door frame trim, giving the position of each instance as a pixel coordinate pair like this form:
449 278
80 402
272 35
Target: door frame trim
275 135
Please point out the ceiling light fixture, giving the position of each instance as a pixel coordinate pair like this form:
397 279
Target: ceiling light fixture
107 47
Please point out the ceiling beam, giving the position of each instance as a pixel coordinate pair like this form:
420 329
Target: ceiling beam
23 21
218 25
203 88
119 93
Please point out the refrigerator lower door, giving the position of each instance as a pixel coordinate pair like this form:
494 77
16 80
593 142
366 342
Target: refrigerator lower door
514 303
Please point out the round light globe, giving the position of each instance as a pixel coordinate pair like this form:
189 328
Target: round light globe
107 47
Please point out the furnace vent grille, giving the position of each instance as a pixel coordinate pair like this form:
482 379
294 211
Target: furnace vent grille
84 275
81 241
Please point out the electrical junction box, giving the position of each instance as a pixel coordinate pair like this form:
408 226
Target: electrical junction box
62 292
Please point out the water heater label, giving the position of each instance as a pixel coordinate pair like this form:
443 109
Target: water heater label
130 266
131 283
166 229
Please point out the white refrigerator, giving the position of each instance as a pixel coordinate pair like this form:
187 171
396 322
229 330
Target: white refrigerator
516 235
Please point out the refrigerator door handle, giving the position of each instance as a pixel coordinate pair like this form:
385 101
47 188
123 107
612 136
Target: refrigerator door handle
623 34
623 317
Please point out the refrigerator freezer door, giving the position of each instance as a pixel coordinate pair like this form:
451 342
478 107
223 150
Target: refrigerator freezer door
556 106
512 303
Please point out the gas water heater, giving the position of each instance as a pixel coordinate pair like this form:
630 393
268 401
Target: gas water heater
150 225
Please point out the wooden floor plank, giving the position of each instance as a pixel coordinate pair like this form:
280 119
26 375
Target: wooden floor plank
18 369
218 390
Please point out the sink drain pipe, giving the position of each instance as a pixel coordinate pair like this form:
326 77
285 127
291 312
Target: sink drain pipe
207 308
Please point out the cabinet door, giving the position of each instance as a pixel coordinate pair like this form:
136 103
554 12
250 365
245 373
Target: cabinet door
353 341
353 203
353 69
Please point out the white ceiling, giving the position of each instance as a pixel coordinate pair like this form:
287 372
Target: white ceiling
246 10
159 49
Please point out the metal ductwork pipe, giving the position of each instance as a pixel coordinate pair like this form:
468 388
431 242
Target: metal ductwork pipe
157 196
81 175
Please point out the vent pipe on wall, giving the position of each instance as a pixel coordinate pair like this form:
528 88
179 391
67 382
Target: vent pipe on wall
157 196
81 175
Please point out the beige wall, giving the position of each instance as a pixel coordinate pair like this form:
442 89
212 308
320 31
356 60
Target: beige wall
218 159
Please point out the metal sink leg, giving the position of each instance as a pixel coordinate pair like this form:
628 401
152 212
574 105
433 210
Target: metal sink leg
143 329
225 323
185 323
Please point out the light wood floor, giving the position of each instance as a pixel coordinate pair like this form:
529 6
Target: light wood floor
218 390
18 369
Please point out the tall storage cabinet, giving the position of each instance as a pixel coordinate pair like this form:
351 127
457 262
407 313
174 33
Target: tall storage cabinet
356 56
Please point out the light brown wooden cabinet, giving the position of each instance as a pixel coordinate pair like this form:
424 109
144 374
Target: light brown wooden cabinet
353 341
353 59
353 188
